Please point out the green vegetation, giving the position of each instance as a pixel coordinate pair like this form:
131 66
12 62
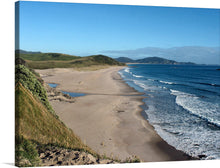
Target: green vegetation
26 153
29 80
101 59
134 159
47 56
55 60
36 125
125 60
35 122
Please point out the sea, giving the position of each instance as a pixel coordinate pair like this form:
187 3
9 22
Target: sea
182 102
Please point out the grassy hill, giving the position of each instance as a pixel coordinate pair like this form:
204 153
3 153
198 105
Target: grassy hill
47 56
32 81
125 60
36 124
57 60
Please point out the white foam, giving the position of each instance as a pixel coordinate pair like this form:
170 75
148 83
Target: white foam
127 70
140 84
196 106
146 87
121 74
137 76
192 142
165 82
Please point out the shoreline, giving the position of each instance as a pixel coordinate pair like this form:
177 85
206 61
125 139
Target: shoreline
109 118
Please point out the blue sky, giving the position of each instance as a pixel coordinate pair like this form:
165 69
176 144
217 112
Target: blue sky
86 29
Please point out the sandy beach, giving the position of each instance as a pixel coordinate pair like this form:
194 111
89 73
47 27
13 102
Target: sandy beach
108 119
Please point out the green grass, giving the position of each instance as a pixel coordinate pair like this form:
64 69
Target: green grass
45 61
26 154
31 80
35 123
47 57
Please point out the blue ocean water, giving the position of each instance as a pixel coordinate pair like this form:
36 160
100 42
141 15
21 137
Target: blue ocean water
183 104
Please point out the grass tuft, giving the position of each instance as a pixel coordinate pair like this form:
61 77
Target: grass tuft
26 154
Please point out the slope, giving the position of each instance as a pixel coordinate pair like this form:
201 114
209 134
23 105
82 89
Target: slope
46 56
125 60
36 124
57 60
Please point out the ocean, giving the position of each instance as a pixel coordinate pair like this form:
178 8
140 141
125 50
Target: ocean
182 103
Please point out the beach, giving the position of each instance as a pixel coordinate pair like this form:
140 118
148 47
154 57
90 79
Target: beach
108 118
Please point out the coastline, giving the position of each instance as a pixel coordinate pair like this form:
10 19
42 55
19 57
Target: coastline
108 119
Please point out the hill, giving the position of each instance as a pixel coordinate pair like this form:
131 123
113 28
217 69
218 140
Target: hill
46 56
58 60
37 126
151 60
125 60
155 60
36 123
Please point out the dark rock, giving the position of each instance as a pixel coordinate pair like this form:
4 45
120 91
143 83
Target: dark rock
57 153
201 156
120 111
59 162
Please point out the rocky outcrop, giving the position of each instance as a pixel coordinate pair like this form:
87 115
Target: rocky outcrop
54 156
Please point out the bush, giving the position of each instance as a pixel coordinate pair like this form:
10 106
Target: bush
30 81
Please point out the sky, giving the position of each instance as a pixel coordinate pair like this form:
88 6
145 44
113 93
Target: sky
88 29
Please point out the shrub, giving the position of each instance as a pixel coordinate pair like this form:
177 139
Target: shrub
30 81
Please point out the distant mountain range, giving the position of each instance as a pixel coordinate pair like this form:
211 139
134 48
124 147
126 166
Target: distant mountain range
151 60
197 54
